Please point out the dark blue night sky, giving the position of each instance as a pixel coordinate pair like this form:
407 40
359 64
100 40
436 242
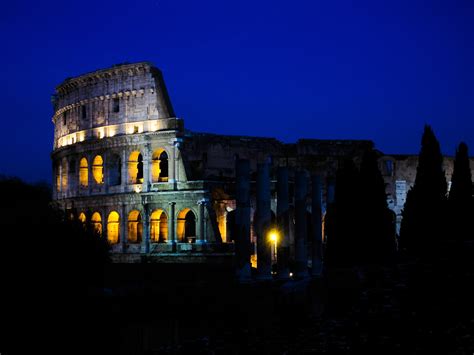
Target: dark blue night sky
293 69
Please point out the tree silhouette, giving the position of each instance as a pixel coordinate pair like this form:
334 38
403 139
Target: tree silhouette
377 243
342 222
460 197
423 225
49 266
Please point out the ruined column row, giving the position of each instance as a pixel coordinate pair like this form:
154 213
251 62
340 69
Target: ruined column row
268 232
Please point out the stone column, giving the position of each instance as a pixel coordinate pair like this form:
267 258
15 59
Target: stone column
104 216
263 223
173 161
201 238
146 226
124 169
316 219
105 173
283 246
90 177
123 227
301 253
146 168
241 232
171 225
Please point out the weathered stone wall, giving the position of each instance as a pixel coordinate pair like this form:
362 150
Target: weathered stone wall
112 123
110 102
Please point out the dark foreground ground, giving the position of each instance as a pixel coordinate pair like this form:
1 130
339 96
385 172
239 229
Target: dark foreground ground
410 308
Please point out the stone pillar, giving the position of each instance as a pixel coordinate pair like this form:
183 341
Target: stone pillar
146 226
105 173
241 232
90 177
283 220
124 169
173 161
104 216
171 225
146 168
301 253
263 223
123 227
201 238
316 219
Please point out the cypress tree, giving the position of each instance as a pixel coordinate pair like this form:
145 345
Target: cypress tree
342 218
460 197
423 225
376 239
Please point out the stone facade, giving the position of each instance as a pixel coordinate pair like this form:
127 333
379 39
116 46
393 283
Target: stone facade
123 162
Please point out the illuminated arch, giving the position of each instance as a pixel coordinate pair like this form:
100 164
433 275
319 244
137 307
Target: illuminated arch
98 169
159 166
96 222
186 226
83 173
113 227
82 217
64 174
57 170
135 168
158 226
135 227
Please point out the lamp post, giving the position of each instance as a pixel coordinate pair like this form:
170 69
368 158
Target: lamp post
273 237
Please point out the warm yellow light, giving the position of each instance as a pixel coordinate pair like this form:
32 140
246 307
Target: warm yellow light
273 236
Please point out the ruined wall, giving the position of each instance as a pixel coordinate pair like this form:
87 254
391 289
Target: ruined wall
129 98
117 162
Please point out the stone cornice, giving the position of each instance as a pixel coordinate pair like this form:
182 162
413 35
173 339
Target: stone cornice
119 95
90 78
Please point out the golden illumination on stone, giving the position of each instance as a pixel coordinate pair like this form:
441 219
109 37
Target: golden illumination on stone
158 226
82 217
96 221
135 227
64 175
186 226
98 169
83 172
135 168
113 227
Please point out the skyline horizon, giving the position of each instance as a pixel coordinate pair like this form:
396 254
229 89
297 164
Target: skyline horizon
373 71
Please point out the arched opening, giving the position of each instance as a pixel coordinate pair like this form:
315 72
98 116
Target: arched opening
159 166
82 218
135 168
64 175
113 227
83 173
96 222
158 226
135 227
98 169
57 170
115 173
186 226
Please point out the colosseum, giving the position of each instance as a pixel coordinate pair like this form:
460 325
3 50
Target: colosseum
123 162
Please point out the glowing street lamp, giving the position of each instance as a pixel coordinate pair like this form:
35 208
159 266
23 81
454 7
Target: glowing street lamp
273 237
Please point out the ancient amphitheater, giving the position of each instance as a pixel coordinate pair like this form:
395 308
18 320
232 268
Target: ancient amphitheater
124 163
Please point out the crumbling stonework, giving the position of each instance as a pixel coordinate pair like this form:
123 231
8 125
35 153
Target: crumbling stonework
123 162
